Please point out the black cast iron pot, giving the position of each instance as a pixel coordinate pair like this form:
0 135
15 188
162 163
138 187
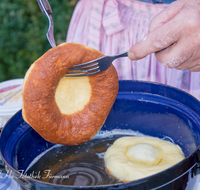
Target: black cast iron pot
149 108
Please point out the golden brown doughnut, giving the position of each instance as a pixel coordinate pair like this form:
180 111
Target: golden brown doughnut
63 120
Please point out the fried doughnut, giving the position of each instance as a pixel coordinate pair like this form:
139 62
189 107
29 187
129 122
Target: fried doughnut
67 110
132 158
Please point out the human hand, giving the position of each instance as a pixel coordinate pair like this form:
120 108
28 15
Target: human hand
174 36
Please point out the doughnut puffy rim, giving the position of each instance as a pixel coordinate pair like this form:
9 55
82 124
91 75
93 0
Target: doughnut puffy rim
39 107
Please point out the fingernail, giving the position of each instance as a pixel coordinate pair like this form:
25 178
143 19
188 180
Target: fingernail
131 55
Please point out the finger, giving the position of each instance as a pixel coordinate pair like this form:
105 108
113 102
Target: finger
195 68
166 15
190 64
172 56
178 55
157 40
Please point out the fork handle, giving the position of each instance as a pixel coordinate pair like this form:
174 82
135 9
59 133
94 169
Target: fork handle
125 54
44 4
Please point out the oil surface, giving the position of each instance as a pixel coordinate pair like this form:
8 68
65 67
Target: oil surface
81 165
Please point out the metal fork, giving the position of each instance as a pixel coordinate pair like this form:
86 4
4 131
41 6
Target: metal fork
94 66
46 9
84 69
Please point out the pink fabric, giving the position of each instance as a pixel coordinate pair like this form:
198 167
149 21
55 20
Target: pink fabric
113 26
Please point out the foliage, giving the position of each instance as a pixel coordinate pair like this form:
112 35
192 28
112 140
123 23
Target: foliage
23 30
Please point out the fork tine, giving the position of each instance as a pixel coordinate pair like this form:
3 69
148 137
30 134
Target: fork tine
81 70
88 63
81 75
84 67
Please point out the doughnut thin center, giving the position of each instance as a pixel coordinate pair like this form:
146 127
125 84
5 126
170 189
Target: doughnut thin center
143 153
72 94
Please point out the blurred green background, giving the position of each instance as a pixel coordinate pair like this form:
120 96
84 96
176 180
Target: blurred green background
23 30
